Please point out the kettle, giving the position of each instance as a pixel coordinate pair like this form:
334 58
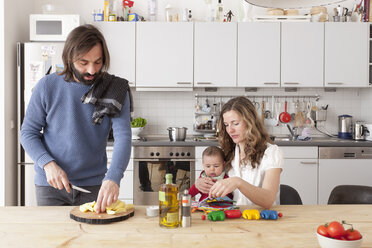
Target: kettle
345 127
359 131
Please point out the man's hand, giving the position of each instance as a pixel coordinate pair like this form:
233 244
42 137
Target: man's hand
56 177
204 184
108 194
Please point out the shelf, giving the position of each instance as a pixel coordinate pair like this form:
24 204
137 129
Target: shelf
204 130
205 113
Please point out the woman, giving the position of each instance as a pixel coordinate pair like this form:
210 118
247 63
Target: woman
254 164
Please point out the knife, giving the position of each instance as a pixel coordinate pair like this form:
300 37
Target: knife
80 189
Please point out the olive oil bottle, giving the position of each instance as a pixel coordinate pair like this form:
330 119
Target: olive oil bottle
168 204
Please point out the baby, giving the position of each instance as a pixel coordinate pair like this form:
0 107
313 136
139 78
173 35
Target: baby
213 164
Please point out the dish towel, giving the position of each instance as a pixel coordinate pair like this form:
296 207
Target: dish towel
107 94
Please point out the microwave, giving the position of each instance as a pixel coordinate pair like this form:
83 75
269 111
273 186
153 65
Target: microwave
45 27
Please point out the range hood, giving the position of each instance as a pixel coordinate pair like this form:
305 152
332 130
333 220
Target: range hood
292 4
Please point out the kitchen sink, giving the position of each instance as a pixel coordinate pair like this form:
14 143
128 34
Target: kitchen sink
317 139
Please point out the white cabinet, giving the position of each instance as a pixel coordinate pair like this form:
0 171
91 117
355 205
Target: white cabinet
343 166
302 54
346 54
300 171
215 54
258 54
164 54
120 39
126 183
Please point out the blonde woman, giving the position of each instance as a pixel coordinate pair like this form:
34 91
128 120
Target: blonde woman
254 164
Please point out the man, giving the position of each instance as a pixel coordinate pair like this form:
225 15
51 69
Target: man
68 121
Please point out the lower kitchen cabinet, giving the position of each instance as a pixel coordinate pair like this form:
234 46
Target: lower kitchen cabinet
126 183
300 171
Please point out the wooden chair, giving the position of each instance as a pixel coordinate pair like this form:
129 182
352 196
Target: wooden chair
289 196
351 194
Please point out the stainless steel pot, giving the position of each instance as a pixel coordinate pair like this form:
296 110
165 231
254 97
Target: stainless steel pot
177 133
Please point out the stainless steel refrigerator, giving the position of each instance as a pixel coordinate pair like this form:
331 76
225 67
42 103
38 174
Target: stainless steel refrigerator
34 60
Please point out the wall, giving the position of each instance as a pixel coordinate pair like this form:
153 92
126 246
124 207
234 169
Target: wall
2 107
166 109
15 26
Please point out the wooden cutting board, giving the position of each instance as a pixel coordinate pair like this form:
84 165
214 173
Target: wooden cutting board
101 218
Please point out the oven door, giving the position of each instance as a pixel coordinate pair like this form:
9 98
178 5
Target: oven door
149 174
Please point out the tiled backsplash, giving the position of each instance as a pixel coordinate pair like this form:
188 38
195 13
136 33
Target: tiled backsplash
176 109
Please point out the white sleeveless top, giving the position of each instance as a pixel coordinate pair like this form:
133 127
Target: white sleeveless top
272 158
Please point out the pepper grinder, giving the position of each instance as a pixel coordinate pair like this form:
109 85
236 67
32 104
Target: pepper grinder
186 209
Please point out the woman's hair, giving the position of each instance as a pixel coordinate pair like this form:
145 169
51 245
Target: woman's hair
256 136
78 43
214 151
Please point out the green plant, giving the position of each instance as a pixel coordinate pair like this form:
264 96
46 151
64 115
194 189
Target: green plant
138 122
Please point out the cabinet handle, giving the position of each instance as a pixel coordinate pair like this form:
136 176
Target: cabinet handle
204 83
270 83
335 83
292 83
183 82
307 163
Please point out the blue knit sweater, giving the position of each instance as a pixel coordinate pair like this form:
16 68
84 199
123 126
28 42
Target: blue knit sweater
69 137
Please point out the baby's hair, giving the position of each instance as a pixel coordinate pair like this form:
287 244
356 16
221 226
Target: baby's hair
214 151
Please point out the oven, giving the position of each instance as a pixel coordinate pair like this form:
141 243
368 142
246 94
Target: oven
151 163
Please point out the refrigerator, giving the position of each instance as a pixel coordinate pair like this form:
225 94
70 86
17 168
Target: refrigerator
34 60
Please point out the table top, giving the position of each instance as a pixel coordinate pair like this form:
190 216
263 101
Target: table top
52 227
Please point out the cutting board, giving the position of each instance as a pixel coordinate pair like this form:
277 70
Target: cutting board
101 218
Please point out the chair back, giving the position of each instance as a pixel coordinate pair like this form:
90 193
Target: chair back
351 194
289 196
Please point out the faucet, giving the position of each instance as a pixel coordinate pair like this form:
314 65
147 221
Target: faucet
293 132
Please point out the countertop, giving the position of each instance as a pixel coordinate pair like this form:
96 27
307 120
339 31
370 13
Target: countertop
52 227
280 141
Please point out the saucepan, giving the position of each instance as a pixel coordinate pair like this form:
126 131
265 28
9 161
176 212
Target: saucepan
177 133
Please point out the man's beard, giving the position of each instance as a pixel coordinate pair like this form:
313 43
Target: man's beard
80 76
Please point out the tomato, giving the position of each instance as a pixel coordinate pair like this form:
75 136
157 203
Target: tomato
322 230
352 234
336 230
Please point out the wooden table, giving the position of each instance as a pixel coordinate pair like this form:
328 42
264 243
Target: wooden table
52 227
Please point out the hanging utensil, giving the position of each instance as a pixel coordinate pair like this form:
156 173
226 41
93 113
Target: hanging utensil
285 117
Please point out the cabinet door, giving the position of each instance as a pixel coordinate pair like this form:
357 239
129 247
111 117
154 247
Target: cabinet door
126 187
302 174
258 54
215 54
334 172
120 38
302 54
164 54
346 54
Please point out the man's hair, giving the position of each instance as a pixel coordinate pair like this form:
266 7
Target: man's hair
78 43
213 151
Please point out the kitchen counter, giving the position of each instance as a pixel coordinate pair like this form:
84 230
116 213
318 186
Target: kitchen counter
280 141
52 227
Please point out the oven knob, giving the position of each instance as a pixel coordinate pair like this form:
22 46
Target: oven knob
177 154
171 154
182 154
157 154
151 154
188 154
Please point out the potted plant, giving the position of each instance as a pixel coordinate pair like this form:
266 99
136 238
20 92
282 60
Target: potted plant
137 126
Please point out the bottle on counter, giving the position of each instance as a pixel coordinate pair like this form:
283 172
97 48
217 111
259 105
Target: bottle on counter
219 11
168 204
186 209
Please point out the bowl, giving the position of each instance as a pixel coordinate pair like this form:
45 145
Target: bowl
135 132
325 242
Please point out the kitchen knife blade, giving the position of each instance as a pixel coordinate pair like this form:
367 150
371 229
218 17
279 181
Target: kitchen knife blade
80 189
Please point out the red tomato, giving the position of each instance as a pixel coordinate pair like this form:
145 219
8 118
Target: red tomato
352 234
336 230
322 230
203 217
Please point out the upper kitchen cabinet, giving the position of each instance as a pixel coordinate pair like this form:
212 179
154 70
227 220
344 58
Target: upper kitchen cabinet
302 54
346 54
258 54
164 55
215 54
121 42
